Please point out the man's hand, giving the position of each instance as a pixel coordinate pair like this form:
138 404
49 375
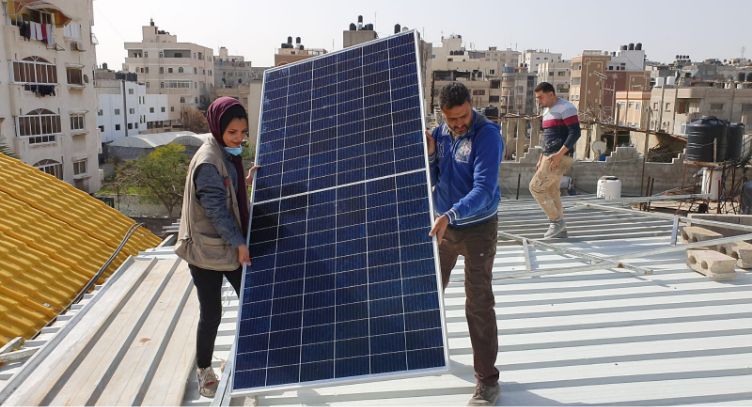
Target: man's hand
439 227
251 173
244 257
554 161
430 142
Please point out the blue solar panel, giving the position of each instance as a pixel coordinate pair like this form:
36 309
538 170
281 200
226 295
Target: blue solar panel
344 277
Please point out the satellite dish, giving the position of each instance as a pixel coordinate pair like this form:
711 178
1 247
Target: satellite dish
598 147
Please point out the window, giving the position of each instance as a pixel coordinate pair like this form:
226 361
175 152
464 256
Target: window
51 167
77 121
100 112
493 99
131 111
182 99
75 76
117 112
161 69
172 108
40 126
146 69
130 126
146 54
180 69
117 127
169 70
195 70
130 91
34 70
79 167
479 92
151 110
101 128
715 106
163 109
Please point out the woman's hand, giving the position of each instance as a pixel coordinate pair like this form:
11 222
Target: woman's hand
251 173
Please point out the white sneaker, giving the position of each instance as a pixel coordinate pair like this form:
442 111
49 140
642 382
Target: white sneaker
556 230
485 395
207 382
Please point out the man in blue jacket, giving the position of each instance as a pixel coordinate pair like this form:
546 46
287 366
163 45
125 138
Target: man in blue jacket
464 156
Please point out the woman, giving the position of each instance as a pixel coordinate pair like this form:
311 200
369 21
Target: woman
214 224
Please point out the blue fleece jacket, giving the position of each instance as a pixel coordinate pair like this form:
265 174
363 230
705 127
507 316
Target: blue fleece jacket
465 172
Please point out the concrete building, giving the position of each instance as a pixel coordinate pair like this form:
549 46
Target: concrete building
231 71
288 53
531 59
480 71
629 58
358 33
586 87
183 71
125 108
517 93
249 94
558 74
674 107
47 98
632 109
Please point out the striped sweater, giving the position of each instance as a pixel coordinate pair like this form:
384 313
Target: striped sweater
561 127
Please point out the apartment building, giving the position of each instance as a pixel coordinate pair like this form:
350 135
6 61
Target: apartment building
47 114
183 71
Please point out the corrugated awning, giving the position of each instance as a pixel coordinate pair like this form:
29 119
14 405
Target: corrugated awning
16 7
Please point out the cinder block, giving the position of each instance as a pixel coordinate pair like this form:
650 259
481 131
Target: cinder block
742 251
693 234
712 264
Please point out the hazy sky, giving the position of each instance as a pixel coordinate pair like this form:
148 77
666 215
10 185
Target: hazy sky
702 30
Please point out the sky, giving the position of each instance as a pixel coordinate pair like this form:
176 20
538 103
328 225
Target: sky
256 29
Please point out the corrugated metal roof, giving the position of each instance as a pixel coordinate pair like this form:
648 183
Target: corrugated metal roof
53 240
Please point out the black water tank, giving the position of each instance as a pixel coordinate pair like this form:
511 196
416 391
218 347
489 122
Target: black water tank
734 137
397 29
701 137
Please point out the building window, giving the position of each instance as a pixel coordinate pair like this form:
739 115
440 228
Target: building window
151 110
161 69
479 92
131 111
182 99
163 109
51 167
130 91
195 70
146 69
169 70
34 70
180 69
713 106
79 167
101 128
117 112
75 76
77 121
146 54
172 108
39 126
117 127
130 126
493 99
100 112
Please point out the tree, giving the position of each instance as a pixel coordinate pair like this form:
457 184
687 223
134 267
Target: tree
193 120
161 175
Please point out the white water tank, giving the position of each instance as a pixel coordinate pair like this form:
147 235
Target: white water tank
711 180
609 188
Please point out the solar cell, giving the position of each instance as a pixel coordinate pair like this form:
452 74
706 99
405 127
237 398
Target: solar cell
344 283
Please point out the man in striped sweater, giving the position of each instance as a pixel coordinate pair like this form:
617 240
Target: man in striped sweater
561 129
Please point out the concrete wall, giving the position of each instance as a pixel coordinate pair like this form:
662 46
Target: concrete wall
624 163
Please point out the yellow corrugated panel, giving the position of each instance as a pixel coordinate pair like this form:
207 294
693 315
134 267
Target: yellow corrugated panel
53 239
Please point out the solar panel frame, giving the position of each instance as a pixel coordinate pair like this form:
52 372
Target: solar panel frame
434 247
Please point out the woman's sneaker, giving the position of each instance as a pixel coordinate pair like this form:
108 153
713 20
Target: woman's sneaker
207 382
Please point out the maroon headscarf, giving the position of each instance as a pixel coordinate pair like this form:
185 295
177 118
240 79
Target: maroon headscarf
214 116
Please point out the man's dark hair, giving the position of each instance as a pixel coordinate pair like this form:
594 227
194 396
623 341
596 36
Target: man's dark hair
453 94
545 87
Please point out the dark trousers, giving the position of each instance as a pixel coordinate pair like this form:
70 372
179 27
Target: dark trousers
477 244
209 290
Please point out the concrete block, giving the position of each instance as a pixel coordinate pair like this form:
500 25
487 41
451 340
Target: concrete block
693 234
741 251
712 264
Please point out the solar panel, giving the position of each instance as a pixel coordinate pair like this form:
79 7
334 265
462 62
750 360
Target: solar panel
344 282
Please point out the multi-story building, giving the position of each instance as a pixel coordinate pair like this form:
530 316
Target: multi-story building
125 109
673 107
288 53
631 108
557 74
517 92
183 71
231 71
586 86
358 33
48 101
480 71
531 59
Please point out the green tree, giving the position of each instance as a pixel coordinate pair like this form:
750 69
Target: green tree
161 175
